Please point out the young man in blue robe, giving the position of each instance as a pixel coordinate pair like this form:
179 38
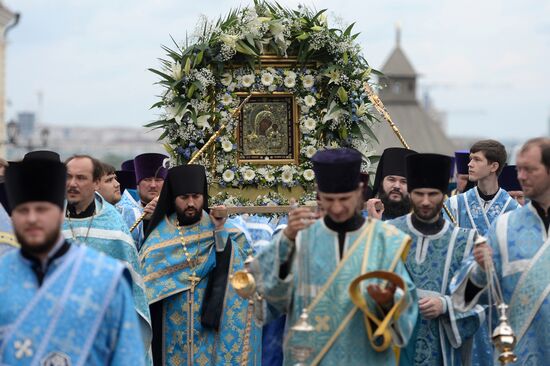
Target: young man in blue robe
94 222
442 335
188 257
314 271
60 303
390 186
149 174
479 207
520 246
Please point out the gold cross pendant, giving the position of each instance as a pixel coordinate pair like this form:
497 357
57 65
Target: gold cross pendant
194 281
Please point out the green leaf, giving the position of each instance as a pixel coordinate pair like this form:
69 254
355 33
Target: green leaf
191 90
348 29
242 47
187 67
161 122
342 94
167 77
346 57
368 131
343 132
198 60
316 28
303 36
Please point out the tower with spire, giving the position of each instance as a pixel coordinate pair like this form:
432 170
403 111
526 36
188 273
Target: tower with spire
421 132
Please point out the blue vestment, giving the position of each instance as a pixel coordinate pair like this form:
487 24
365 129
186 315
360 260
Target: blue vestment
471 212
106 232
431 262
521 254
7 239
83 313
180 281
340 335
131 209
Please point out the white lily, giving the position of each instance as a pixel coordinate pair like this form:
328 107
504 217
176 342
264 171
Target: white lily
334 113
227 78
177 71
227 99
361 110
202 121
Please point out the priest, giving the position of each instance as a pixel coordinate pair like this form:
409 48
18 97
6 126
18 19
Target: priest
390 186
188 257
314 271
60 303
442 336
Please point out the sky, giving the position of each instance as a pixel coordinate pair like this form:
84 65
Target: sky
484 63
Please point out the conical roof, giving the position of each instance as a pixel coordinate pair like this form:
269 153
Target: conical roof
398 64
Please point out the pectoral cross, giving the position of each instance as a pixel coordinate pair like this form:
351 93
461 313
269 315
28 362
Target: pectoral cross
194 281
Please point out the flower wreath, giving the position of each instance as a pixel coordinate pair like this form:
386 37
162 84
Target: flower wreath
201 81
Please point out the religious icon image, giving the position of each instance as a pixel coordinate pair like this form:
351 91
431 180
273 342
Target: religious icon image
267 130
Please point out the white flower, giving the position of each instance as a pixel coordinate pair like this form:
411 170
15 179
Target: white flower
231 87
248 80
290 81
310 151
228 176
202 121
291 74
173 112
229 39
219 168
227 99
249 175
226 79
269 177
361 109
177 71
308 81
267 78
309 100
308 175
227 146
310 124
287 176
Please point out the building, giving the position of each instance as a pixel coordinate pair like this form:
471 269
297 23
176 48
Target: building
418 126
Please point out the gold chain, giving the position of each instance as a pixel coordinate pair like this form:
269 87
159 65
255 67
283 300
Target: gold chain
188 255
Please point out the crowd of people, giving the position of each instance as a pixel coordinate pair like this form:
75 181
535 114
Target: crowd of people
100 266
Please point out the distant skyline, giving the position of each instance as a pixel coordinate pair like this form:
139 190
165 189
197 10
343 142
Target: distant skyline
485 64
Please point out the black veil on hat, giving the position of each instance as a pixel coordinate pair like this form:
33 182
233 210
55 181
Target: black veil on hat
392 162
36 180
428 171
180 180
508 179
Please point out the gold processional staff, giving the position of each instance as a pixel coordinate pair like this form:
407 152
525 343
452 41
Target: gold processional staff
201 151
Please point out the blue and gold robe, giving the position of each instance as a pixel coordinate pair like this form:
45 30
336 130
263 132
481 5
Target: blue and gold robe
432 262
168 278
521 254
82 314
340 336
106 232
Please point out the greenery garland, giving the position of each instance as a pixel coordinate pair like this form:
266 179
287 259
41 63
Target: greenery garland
201 81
